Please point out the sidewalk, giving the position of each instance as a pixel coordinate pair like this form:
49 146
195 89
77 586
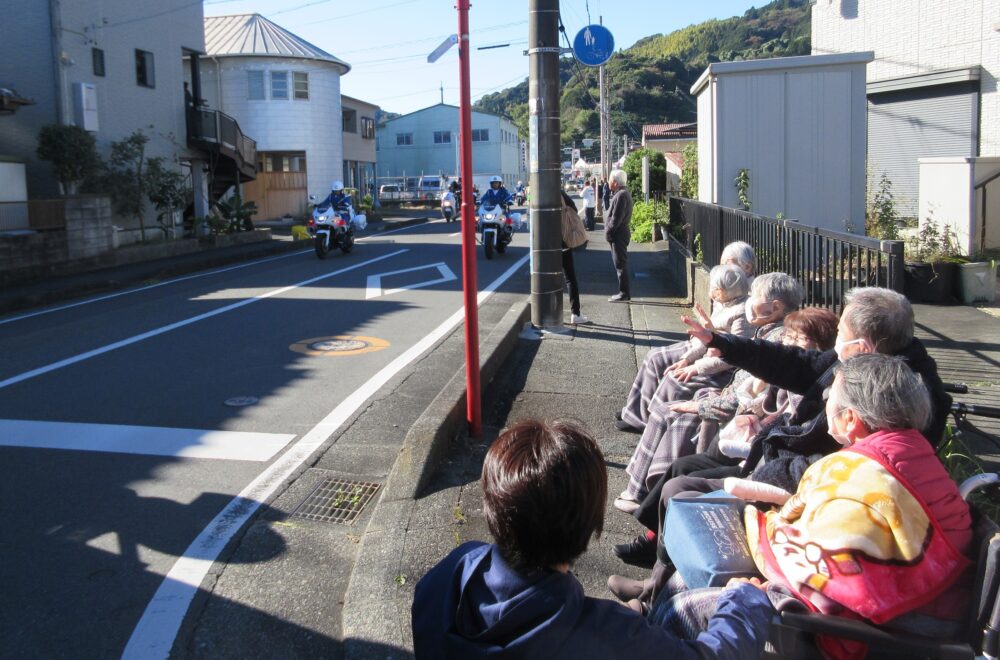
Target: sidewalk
586 377
91 282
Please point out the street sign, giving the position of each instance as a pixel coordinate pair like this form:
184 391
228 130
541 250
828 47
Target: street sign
593 45
443 48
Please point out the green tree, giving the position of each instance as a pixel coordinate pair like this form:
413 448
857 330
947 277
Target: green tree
126 177
72 152
167 189
657 171
689 174
882 219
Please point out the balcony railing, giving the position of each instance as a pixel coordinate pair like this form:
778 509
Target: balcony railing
826 263
222 131
36 214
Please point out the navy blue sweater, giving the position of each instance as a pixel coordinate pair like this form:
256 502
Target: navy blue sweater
473 604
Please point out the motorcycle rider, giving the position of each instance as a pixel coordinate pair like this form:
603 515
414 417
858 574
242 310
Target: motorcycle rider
497 194
337 198
449 196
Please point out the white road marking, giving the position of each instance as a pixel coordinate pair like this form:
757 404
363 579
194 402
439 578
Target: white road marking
375 289
13 380
21 317
457 233
143 440
154 635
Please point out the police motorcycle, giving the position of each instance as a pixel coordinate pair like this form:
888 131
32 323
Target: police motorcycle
449 206
520 196
494 220
333 222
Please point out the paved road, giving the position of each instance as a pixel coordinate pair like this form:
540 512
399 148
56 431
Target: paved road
118 454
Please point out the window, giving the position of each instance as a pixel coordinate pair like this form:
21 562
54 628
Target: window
404 139
279 84
301 81
368 128
97 57
294 161
350 121
255 86
442 137
144 75
480 135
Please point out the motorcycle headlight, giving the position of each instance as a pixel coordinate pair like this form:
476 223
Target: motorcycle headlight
322 218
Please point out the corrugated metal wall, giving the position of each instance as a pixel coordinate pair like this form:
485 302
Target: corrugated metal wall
920 123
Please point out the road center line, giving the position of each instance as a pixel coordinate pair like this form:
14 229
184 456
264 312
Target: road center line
154 635
13 380
217 271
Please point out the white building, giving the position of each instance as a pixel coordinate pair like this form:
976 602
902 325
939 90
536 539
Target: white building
932 94
112 68
425 142
285 92
670 140
797 125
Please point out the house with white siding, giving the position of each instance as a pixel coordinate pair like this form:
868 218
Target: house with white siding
285 92
112 68
933 104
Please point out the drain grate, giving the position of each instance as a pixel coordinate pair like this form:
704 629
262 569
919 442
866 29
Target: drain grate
336 500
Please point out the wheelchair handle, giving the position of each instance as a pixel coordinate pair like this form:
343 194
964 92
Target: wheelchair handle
975 482
960 408
956 388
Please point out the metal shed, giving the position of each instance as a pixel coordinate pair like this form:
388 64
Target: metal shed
797 125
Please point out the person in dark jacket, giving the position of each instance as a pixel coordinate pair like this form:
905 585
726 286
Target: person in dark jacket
544 494
874 320
618 232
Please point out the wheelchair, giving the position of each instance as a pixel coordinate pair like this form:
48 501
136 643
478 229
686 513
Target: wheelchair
791 634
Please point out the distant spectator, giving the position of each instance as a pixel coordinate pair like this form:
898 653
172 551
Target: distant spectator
589 204
544 491
618 232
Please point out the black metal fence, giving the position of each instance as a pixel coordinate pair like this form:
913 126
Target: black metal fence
826 263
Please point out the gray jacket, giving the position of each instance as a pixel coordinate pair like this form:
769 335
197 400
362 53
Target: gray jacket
618 216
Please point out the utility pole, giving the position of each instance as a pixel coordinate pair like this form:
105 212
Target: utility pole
545 164
474 412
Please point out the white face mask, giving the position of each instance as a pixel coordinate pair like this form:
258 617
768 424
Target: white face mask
753 317
840 345
839 437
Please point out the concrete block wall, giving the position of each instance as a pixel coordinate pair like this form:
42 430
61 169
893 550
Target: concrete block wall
913 37
88 227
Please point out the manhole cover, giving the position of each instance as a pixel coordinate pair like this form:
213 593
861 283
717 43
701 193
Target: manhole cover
241 401
336 500
339 345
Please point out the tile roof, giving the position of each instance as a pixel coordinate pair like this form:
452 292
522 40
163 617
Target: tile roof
252 34
666 131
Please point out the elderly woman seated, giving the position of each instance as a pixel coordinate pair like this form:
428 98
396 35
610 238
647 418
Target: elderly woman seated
667 435
876 531
661 359
544 493
747 408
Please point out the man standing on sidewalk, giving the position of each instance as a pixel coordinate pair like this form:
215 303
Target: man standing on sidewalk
618 231
589 204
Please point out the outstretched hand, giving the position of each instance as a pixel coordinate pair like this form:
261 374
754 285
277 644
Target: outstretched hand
697 330
705 319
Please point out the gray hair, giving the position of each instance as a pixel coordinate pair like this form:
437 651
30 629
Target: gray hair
742 253
881 316
778 286
730 279
884 392
619 177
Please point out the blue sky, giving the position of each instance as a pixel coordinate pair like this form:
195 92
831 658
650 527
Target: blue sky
387 41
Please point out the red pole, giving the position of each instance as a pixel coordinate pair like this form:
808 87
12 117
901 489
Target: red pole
469 286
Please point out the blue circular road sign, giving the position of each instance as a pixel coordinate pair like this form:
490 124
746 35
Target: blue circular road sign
593 45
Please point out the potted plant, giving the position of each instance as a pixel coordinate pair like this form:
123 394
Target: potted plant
931 260
976 281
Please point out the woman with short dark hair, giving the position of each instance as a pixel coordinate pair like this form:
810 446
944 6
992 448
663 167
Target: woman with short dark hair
544 494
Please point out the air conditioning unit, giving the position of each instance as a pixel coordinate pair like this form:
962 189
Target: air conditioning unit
85 106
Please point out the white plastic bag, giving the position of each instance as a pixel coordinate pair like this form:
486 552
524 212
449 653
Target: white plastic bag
360 221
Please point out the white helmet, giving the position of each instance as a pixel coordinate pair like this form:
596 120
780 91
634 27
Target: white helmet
520 183
496 179
337 186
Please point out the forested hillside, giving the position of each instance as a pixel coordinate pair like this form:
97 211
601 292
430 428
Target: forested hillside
650 82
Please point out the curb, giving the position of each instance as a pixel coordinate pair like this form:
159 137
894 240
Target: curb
376 612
